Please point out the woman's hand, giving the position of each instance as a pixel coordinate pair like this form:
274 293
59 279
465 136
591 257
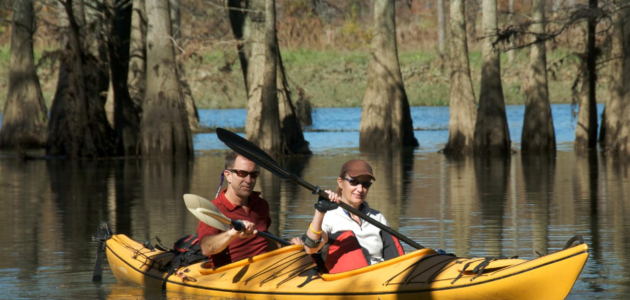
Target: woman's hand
324 205
296 241
332 196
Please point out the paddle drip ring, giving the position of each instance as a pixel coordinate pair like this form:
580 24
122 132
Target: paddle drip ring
317 190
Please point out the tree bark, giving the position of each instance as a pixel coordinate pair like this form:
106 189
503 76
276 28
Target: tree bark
441 27
613 106
622 142
25 114
241 23
538 135
176 23
164 129
263 125
511 54
386 117
586 129
463 109
136 76
293 141
191 108
492 136
126 119
78 125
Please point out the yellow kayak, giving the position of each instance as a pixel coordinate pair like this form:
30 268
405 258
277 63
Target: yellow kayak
289 272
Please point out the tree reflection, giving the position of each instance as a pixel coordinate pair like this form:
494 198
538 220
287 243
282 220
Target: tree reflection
161 207
463 201
492 176
538 177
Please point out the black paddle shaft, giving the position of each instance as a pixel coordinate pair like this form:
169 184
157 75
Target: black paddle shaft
261 158
238 225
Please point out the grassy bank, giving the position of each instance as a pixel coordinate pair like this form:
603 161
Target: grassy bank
339 78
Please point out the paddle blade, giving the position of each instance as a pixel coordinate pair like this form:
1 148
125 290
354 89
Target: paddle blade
251 152
199 205
217 216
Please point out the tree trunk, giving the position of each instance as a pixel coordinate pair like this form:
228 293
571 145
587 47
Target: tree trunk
136 76
586 129
538 133
241 23
492 136
126 119
441 27
78 125
164 129
263 125
191 108
386 117
613 106
511 54
622 142
293 141
463 109
25 115
176 23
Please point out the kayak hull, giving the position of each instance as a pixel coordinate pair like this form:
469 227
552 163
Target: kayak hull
288 272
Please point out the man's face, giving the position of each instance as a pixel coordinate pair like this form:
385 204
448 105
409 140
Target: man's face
242 187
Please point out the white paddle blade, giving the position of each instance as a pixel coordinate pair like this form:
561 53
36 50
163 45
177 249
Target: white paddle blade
217 216
194 202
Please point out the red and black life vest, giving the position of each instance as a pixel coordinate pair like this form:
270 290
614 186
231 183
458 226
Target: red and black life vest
343 252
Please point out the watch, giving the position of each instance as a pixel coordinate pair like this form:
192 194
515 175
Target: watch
310 242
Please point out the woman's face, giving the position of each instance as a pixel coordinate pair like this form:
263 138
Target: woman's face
353 195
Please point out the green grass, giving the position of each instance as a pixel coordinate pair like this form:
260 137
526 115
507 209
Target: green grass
339 78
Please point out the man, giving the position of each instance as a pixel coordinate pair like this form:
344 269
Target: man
238 202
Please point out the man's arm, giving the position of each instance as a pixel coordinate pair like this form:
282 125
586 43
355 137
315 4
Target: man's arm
213 244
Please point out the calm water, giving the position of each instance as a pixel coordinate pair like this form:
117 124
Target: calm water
50 209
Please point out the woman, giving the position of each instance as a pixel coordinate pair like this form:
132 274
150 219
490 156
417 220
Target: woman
344 240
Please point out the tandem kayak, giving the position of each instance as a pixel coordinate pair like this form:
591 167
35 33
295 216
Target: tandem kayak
288 272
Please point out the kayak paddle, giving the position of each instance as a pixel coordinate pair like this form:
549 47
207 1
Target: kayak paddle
208 213
261 158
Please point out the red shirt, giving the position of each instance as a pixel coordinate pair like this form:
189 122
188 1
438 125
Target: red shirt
239 248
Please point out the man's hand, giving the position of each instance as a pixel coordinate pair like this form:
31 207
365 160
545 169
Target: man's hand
248 229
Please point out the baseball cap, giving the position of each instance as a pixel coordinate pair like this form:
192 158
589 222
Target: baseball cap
356 168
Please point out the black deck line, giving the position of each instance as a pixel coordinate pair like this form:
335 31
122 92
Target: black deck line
338 294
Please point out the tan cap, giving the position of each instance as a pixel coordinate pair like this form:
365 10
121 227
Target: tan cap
356 168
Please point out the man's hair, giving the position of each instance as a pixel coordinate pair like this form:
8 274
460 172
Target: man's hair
230 159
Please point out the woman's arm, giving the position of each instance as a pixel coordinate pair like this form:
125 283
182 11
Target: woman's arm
315 238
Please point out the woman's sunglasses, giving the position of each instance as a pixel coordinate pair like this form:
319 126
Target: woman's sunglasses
243 173
355 182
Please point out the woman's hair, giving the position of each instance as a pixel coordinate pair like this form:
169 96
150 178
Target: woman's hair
338 187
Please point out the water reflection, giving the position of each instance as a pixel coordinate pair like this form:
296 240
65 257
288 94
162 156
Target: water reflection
472 207
538 182
461 187
492 177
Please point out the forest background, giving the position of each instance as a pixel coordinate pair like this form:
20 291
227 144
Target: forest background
325 48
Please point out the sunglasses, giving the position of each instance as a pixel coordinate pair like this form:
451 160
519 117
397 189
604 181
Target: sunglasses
355 182
243 173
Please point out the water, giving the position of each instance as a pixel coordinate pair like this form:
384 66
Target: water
50 209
